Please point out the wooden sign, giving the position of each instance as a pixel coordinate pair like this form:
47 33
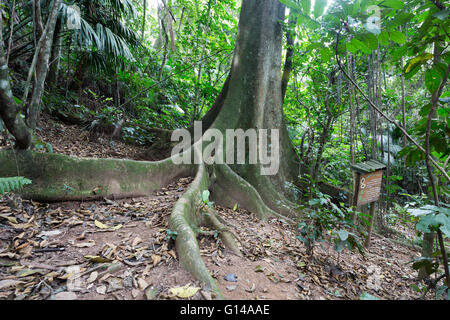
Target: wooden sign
369 187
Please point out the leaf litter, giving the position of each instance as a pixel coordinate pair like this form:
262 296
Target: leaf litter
120 249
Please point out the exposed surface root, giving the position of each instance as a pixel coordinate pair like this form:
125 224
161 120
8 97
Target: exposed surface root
184 221
226 235
229 188
61 178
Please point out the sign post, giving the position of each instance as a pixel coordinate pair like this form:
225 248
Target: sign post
369 176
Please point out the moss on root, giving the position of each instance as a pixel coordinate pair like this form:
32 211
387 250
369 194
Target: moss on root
61 178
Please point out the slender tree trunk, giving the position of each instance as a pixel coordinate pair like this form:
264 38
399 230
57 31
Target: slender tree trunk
143 20
373 115
290 38
42 66
38 26
53 73
403 106
170 23
11 32
428 239
8 107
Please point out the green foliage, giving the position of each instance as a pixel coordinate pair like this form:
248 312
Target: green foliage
431 218
325 221
13 184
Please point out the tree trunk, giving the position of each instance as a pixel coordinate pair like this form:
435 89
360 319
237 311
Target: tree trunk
143 19
290 38
53 73
8 107
251 99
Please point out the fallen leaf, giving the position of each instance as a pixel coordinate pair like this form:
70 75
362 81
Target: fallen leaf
5 284
101 290
259 268
114 284
65 296
88 244
51 233
135 293
136 241
97 259
156 259
115 228
142 284
252 289
10 219
184 292
172 254
28 272
92 277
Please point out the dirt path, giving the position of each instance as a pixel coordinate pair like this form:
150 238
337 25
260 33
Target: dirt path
123 249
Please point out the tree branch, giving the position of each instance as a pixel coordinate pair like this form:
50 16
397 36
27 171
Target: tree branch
385 116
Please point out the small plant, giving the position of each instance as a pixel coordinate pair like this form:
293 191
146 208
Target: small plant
205 199
12 184
434 219
68 189
325 221
171 235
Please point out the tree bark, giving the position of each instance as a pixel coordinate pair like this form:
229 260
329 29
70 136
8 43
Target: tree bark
251 99
53 73
290 38
8 107
42 66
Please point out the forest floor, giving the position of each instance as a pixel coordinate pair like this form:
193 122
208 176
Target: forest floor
122 249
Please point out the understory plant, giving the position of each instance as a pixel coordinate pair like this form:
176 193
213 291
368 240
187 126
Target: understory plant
328 222
434 219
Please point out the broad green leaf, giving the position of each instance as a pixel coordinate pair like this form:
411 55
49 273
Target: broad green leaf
343 235
354 45
325 54
442 15
432 80
419 60
418 212
319 6
397 37
356 7
425 110
383 38
394 4
398 20
205 196
313 46
369 40
340 245
306 6
292 4
445 229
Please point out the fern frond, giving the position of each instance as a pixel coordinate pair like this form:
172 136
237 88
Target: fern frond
12 184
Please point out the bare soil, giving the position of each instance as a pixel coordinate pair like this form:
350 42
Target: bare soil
124 249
